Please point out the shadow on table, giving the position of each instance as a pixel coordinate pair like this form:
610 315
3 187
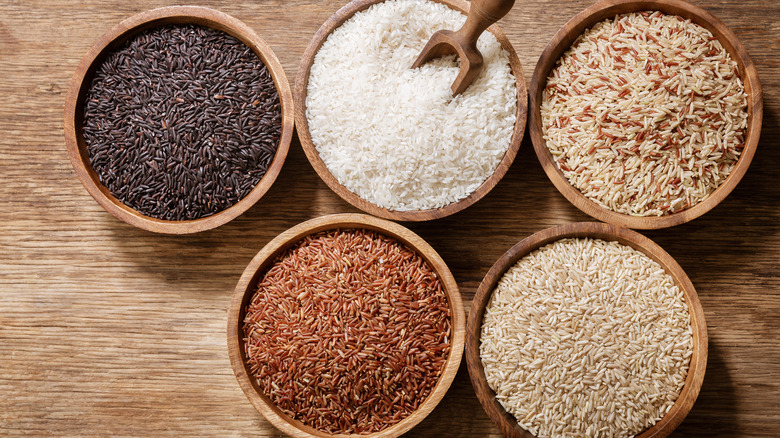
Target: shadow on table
714 413
459 413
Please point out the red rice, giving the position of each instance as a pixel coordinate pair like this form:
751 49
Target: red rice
335 335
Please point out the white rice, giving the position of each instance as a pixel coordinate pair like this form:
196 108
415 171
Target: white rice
394 136
586 338
645 114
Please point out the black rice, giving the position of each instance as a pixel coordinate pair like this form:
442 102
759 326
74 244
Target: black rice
181 122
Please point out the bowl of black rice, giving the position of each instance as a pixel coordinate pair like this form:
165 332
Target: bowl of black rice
178 119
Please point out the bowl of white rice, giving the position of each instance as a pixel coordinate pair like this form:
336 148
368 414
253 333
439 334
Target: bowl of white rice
391 140
645 114
586 329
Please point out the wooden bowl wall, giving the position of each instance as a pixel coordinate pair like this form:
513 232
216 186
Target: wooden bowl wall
505 421
561 42
247 286
114 38
319 166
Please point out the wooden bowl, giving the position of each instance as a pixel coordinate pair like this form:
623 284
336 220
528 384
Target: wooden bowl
319 166
247 285
609 8
74 113
505 421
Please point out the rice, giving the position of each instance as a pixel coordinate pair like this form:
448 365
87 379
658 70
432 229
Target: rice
645 114
585 337
348 331
396 136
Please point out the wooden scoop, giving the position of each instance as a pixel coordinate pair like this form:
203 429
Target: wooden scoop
463 42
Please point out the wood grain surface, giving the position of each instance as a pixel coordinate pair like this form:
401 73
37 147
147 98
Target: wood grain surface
109 330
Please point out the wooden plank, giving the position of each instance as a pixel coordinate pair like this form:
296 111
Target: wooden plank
106 329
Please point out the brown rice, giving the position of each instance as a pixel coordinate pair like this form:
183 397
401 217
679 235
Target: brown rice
584 337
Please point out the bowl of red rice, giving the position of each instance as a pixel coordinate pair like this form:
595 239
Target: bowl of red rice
645 114
586 329
346 325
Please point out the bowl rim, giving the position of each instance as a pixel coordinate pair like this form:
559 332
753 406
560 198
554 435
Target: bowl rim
245 289
304 135
693 381
112 39
604 9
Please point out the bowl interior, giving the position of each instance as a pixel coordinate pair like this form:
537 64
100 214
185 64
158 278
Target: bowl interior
264 259
609 8
113 39
693 381
301 92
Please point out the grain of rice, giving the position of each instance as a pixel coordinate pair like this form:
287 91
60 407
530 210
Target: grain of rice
348 331
585 337
645 114
396 136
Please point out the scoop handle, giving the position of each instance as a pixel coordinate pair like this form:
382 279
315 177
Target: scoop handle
482 14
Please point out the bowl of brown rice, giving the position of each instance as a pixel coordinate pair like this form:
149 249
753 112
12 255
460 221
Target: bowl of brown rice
645 114
391 140
586 329
346 325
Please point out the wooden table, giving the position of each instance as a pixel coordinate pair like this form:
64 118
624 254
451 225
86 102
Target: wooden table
109 330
